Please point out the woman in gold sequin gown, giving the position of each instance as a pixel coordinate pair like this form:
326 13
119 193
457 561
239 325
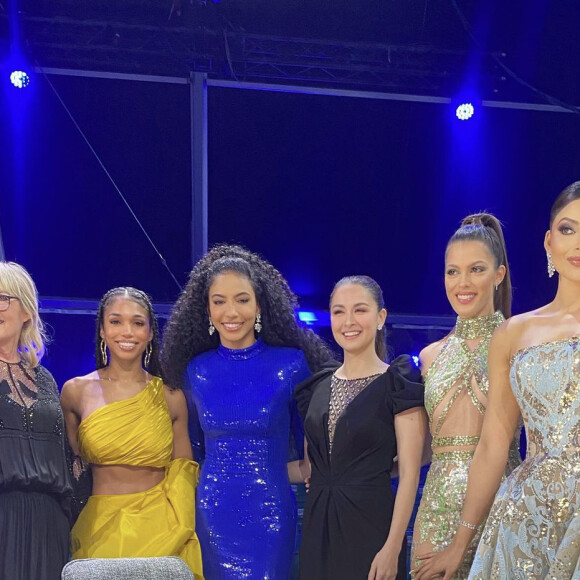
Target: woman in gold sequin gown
533 528
478 287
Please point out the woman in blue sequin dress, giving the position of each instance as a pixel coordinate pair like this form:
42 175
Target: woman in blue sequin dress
533 528
233 339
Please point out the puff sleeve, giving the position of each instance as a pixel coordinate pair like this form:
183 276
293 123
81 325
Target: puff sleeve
303 391
405 385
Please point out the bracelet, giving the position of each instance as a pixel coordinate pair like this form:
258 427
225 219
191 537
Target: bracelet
467 525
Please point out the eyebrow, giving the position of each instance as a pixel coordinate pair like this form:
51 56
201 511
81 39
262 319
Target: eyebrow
567 219
119 314
243 293
357 304
472 264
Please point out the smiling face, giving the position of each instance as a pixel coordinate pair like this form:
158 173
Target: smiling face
355 318
563 241
470 278
12 321
232 309
126 329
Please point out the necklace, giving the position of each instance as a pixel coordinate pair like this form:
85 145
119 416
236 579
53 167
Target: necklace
478 327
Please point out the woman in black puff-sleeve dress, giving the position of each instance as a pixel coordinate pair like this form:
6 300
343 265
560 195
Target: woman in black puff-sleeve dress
354 417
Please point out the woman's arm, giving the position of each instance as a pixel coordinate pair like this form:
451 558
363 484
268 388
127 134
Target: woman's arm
178 410
489 461
410 430
299 470
70 403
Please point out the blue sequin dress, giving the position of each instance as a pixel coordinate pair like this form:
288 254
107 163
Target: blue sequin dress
246 510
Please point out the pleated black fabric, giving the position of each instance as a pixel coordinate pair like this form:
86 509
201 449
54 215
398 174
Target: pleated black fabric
349 507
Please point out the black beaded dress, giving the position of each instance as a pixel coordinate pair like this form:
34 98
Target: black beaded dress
351 446
35 490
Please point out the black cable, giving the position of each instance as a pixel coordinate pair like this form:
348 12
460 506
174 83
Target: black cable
544 96
100 162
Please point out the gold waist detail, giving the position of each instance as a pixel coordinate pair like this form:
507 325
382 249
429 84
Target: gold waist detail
455 441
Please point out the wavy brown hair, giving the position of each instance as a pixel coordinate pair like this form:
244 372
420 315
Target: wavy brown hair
186 332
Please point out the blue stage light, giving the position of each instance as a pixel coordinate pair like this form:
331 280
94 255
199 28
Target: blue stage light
19 79
308 317
465 111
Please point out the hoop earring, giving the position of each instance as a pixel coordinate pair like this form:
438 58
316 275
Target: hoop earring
211 328
258 323
551 268
104 352
148 352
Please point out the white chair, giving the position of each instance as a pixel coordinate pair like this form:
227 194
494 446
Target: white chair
169 568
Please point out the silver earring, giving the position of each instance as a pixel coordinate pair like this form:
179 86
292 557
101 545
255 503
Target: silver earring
258 323
551 268
211 328
148 352
496 287
379 327
104 352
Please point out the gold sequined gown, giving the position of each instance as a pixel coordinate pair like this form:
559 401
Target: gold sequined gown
456 387
533 529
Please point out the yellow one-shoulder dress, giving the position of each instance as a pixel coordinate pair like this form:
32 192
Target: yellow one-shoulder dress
157 522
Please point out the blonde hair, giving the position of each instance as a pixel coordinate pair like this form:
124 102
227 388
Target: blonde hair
16 281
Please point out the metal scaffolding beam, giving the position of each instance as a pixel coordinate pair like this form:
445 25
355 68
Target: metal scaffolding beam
59 42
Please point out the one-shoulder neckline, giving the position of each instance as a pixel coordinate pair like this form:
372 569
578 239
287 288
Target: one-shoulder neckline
107 405
526 349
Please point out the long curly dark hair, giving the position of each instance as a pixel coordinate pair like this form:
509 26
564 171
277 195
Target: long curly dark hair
186 332
138 296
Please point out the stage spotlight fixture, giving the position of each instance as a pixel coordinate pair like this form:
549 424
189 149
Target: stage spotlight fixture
465 111
19 79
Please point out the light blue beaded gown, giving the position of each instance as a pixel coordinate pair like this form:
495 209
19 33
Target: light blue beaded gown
246 510
533 529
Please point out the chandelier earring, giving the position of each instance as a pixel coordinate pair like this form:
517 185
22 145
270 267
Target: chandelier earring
258 323
104 356
211 328
148 352
551 268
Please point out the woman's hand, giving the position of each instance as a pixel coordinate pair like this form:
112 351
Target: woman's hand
385 565
443 564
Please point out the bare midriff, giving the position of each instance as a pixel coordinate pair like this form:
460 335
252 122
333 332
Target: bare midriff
124 479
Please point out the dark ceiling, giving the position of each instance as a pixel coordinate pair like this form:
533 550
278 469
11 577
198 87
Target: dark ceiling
415 45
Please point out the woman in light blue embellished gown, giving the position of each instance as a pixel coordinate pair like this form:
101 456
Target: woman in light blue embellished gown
233 339
533 528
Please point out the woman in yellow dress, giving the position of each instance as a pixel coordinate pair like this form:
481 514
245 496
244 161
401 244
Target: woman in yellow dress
132 431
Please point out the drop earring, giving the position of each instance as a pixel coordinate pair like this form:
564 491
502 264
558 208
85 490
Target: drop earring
211 328
551 268
258 323
148 352
104 353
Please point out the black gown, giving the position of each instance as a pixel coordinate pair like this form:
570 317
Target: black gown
35 489
350 503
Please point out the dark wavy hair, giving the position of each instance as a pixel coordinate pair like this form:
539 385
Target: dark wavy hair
486 228
375 291
568 195
186 332
144 301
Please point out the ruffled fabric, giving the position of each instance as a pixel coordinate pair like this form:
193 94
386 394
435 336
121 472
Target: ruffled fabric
136 431
303 391
406 388
157 522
